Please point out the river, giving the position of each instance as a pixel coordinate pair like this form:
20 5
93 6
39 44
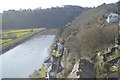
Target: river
22 60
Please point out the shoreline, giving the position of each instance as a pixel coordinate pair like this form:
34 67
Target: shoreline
52 63
21 40
31 52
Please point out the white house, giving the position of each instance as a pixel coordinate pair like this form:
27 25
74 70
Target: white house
113 17
60 47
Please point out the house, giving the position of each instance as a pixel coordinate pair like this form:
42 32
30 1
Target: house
113 17
60 48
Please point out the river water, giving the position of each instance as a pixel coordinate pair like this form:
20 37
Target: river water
22 60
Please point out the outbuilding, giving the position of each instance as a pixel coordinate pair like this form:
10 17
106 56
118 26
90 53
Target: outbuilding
113 17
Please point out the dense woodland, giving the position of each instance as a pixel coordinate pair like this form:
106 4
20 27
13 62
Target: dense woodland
49 18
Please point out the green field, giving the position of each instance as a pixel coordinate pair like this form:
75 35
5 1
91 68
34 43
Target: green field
9 36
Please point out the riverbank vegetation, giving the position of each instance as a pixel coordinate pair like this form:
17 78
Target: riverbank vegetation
13 37
9 36
41 73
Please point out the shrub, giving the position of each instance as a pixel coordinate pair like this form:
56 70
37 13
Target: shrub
97 38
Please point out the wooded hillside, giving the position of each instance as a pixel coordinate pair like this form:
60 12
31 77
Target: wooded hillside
49 18
86 35
89 35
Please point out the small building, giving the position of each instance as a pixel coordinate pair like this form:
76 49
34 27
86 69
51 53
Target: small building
113 17
60 47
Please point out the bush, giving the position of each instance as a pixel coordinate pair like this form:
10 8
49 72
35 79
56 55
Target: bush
107 66
97 38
